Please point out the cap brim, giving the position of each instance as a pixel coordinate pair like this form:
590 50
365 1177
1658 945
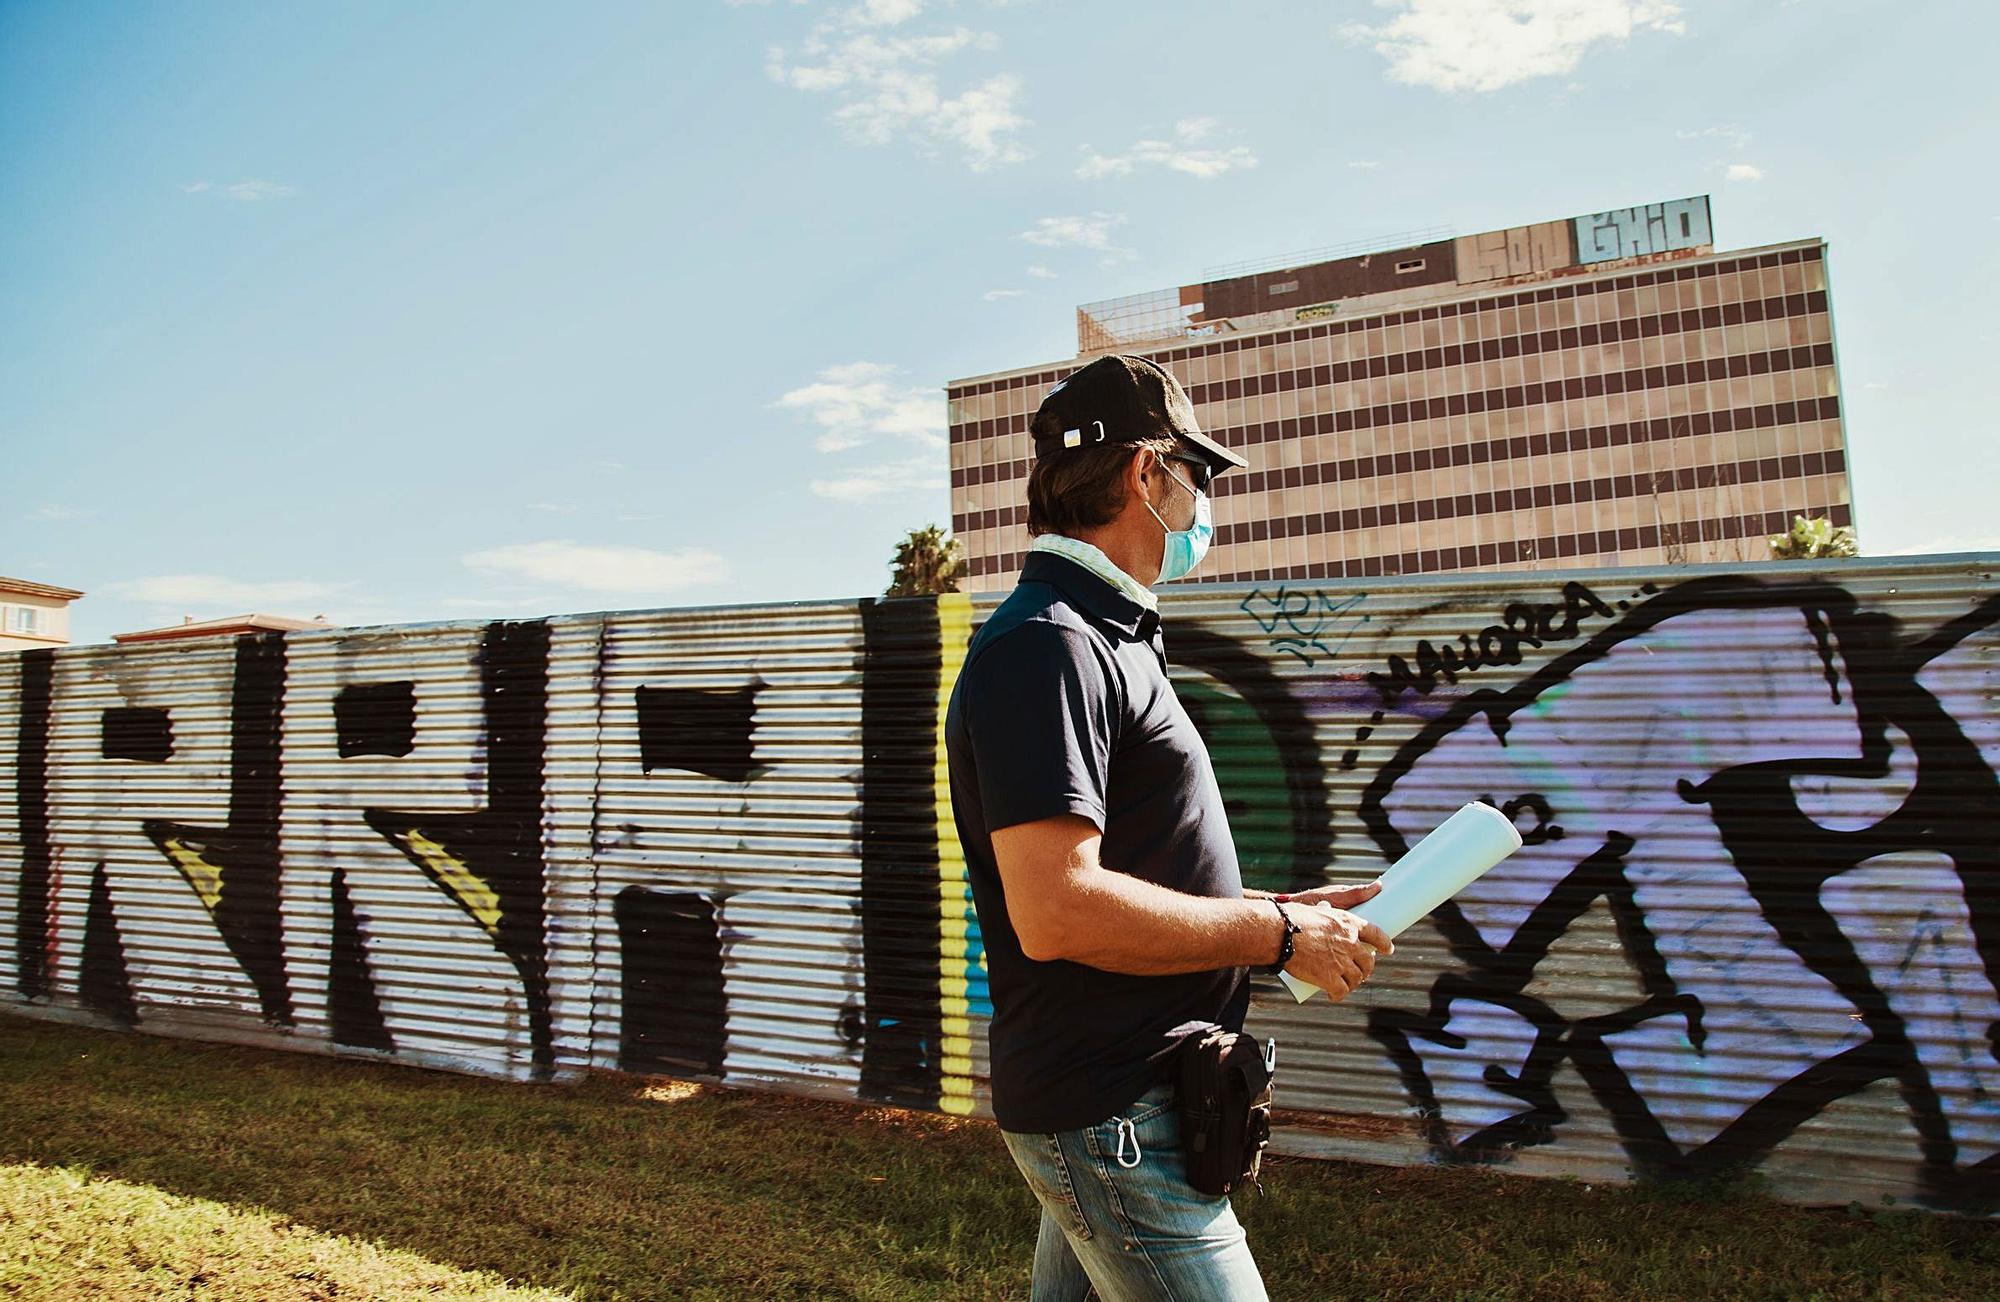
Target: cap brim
1222 457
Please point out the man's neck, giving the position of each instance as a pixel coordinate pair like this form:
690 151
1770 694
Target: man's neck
1088 556
1134 550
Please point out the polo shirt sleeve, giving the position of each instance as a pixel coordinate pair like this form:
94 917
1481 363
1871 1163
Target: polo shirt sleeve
1041 714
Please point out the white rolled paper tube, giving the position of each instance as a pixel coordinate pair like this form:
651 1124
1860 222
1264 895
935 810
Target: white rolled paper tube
1456 853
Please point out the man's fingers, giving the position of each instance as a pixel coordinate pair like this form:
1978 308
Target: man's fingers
1374 935
1345 897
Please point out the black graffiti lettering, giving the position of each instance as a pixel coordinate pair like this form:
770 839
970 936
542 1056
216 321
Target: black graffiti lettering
1545 828
675 1013
234 868
1577 602
901 1057
1405 1036
376 719
1521 624
354 1011
1760 875
699 730
1787 862
490 862
136 733
32 923
105 985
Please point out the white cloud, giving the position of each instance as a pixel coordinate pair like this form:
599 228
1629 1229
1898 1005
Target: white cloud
1089 231
242 191
856 403
981 122
1743 172
554 508
1485 45
860 402
888 90
626 571
51 513
896 478
994 295
212 591
1364 164
1185 152
1041 273
886 13
1733 136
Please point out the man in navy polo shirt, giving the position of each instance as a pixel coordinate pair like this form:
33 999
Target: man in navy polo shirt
1109 900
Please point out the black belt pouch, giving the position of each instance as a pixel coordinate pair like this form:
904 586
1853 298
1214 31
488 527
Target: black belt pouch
1224 1096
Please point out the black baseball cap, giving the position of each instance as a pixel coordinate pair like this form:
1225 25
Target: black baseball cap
1122 399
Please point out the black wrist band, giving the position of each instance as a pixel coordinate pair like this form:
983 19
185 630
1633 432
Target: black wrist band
1284 946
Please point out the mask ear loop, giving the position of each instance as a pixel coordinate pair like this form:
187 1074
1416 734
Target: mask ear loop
1160 519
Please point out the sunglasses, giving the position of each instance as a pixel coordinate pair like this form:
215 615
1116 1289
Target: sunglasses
1200 473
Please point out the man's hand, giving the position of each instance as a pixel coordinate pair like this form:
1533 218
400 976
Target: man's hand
1335 950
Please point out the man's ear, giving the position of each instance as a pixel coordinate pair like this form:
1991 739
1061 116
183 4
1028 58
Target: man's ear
1138 475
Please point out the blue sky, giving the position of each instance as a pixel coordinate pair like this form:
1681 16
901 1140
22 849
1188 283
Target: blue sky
441 311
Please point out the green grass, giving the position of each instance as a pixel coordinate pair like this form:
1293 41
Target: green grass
133 1166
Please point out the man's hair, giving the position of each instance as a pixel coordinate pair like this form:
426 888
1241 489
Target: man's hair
1081 488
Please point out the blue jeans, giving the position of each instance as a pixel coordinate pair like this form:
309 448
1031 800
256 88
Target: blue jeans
1130 1228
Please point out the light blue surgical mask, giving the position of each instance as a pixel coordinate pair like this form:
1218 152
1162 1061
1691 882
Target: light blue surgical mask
1184 548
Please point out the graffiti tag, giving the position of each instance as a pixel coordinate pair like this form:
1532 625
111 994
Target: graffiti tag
1304 624
1521 624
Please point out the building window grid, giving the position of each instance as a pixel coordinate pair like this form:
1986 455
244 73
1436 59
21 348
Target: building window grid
1733 338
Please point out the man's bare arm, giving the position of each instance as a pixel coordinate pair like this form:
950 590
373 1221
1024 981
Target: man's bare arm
1065 904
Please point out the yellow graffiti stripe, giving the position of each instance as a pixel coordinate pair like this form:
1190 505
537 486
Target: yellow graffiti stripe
478 898
204 876
954 894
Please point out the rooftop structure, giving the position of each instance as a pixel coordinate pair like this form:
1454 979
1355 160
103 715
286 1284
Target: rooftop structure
227 626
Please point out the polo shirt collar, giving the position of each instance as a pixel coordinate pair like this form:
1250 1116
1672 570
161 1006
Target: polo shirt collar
1096 595
1092 558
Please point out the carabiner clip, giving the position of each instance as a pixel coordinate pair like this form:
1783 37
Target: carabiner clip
1126 1130
1270 1056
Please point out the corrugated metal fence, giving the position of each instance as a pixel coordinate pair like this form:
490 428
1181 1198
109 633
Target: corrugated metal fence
1756 922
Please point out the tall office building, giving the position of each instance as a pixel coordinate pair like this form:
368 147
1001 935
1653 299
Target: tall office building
1597 390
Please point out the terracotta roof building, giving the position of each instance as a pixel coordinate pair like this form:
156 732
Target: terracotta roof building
34 614
227 626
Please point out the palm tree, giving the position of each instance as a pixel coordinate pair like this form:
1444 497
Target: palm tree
927 562
1813 540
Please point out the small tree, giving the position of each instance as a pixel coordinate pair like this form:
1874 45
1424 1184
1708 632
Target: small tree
927 562
1813 540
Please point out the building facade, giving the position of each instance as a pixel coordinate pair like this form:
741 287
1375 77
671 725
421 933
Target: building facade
33 614
1600 390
